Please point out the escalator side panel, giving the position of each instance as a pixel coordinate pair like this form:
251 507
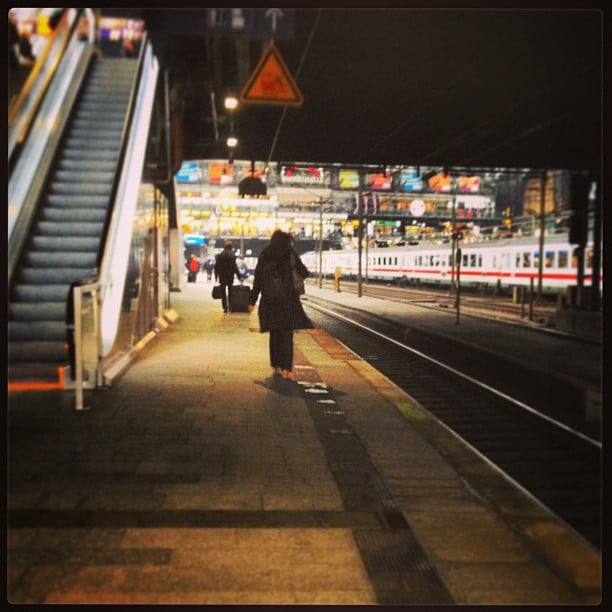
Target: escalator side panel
65 235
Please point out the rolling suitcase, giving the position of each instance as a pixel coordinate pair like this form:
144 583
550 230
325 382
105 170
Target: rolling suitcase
239 298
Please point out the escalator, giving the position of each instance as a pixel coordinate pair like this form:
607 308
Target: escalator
66 234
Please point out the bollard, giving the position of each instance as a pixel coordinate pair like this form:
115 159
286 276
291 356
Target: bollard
337 277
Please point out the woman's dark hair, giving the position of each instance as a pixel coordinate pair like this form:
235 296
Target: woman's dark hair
280 244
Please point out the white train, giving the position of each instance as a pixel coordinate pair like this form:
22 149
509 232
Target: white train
500 264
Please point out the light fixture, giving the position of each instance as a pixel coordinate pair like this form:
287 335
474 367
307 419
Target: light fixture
231 103
232 142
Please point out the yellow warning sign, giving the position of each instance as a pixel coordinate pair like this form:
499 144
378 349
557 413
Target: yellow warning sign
271 82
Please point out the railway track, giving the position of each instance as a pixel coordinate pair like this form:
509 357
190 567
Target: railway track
492 306
549 456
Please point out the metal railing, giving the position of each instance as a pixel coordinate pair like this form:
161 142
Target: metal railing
85 339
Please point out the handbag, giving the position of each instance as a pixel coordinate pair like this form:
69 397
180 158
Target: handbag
298 280
216 292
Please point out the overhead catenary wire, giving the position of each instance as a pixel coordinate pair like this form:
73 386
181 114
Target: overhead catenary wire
528 130
297 73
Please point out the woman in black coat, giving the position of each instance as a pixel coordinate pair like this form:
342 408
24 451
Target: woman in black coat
280 308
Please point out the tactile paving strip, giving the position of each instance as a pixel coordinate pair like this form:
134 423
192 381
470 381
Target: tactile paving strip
396 564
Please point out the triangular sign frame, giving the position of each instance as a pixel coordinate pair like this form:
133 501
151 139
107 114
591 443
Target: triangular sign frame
271 82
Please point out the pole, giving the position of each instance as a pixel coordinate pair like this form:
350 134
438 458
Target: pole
367 248
320 244
595 294
359 234
542 230
458 285
453 245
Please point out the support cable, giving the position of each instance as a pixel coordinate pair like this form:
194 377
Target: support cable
297 72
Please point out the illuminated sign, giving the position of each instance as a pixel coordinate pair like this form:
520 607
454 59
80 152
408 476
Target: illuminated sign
348 179
114 28
194 239
468 184
410 180
189 172
272 83
380 181
440 182
222 174
303 175
417 208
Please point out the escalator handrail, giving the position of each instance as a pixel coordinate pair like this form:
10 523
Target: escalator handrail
118 233
24 107
125 132
29 174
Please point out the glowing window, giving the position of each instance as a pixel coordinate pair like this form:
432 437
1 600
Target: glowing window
549 259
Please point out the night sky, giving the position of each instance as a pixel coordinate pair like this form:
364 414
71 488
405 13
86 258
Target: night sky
478 87
456 87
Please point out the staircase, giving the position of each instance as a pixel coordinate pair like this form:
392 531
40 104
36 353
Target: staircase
65 238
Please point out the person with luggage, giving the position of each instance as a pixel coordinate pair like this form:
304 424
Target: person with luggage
244 271
225 271
280 309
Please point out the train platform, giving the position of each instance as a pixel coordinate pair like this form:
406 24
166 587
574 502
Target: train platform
201 478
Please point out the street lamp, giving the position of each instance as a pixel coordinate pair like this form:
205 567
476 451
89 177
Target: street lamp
232 143
231 104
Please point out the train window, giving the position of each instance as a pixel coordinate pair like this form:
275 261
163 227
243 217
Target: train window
472 260
563 259
536 259
549 259
494 261
574 263
479 259
526 260
518 261
464 261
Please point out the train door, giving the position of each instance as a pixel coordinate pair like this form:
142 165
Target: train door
445 264
497 267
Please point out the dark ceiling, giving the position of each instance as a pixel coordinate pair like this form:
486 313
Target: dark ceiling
479 88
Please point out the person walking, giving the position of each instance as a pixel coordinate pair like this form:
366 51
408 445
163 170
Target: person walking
209 266
193 267
244 271
280 309
225 271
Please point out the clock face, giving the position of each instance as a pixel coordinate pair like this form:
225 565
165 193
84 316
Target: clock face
417 207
